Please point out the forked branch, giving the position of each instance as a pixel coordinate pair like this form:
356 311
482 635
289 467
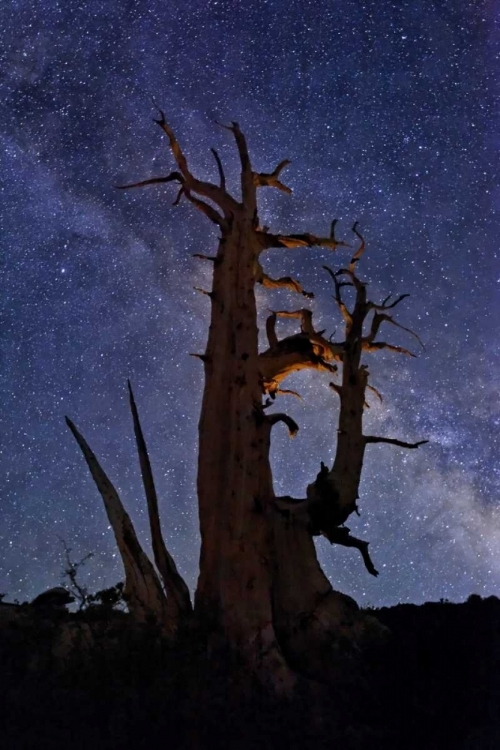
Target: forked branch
205 208
341 535
248 192
338 297
271 179
380 318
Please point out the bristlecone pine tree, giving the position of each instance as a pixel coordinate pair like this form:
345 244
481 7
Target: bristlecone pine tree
261 594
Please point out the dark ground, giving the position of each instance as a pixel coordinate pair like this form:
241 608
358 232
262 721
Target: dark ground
435 685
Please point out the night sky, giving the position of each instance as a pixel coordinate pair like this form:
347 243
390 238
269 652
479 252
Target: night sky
390 114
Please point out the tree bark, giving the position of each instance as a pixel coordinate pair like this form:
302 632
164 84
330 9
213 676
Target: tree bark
233 597
143 592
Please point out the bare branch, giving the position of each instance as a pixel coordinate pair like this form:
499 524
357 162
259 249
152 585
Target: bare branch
203 291
178 599
291 241
152 181
393 441
359 252
323 347
222 176
247 180
271 179
174 147
292 425
375 346
207 189
389 319
178 196
375 391
336 388
288 392
385 306
212 258
205 208
338 297
340 243
285 282
341 535
271 330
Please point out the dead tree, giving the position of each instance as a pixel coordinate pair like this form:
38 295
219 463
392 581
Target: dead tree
261 594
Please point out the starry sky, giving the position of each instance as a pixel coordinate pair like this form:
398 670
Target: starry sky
390 114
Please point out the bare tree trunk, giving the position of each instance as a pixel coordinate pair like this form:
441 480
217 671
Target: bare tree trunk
233 597
261 594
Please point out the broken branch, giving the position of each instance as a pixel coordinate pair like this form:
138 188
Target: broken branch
393 441
359 252
152 181
222 176
338 297
271 179
215 193
292 425
341 535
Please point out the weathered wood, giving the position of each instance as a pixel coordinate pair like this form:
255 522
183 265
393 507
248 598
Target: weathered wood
179 607
143 592
233 597
333 496
261 593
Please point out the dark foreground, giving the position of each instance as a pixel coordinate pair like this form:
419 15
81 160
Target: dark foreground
435 685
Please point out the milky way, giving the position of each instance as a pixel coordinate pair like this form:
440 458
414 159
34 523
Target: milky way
390 115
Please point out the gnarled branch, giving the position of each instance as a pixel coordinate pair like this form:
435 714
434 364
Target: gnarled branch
173 176
380 318
291 241
292 425
341 535
305 350
338 297
285 282
393 441
271 179
375 346
220 168
248 192
205 208
359 252
216 194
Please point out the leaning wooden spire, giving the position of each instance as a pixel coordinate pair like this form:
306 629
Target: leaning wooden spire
178 600
143 590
